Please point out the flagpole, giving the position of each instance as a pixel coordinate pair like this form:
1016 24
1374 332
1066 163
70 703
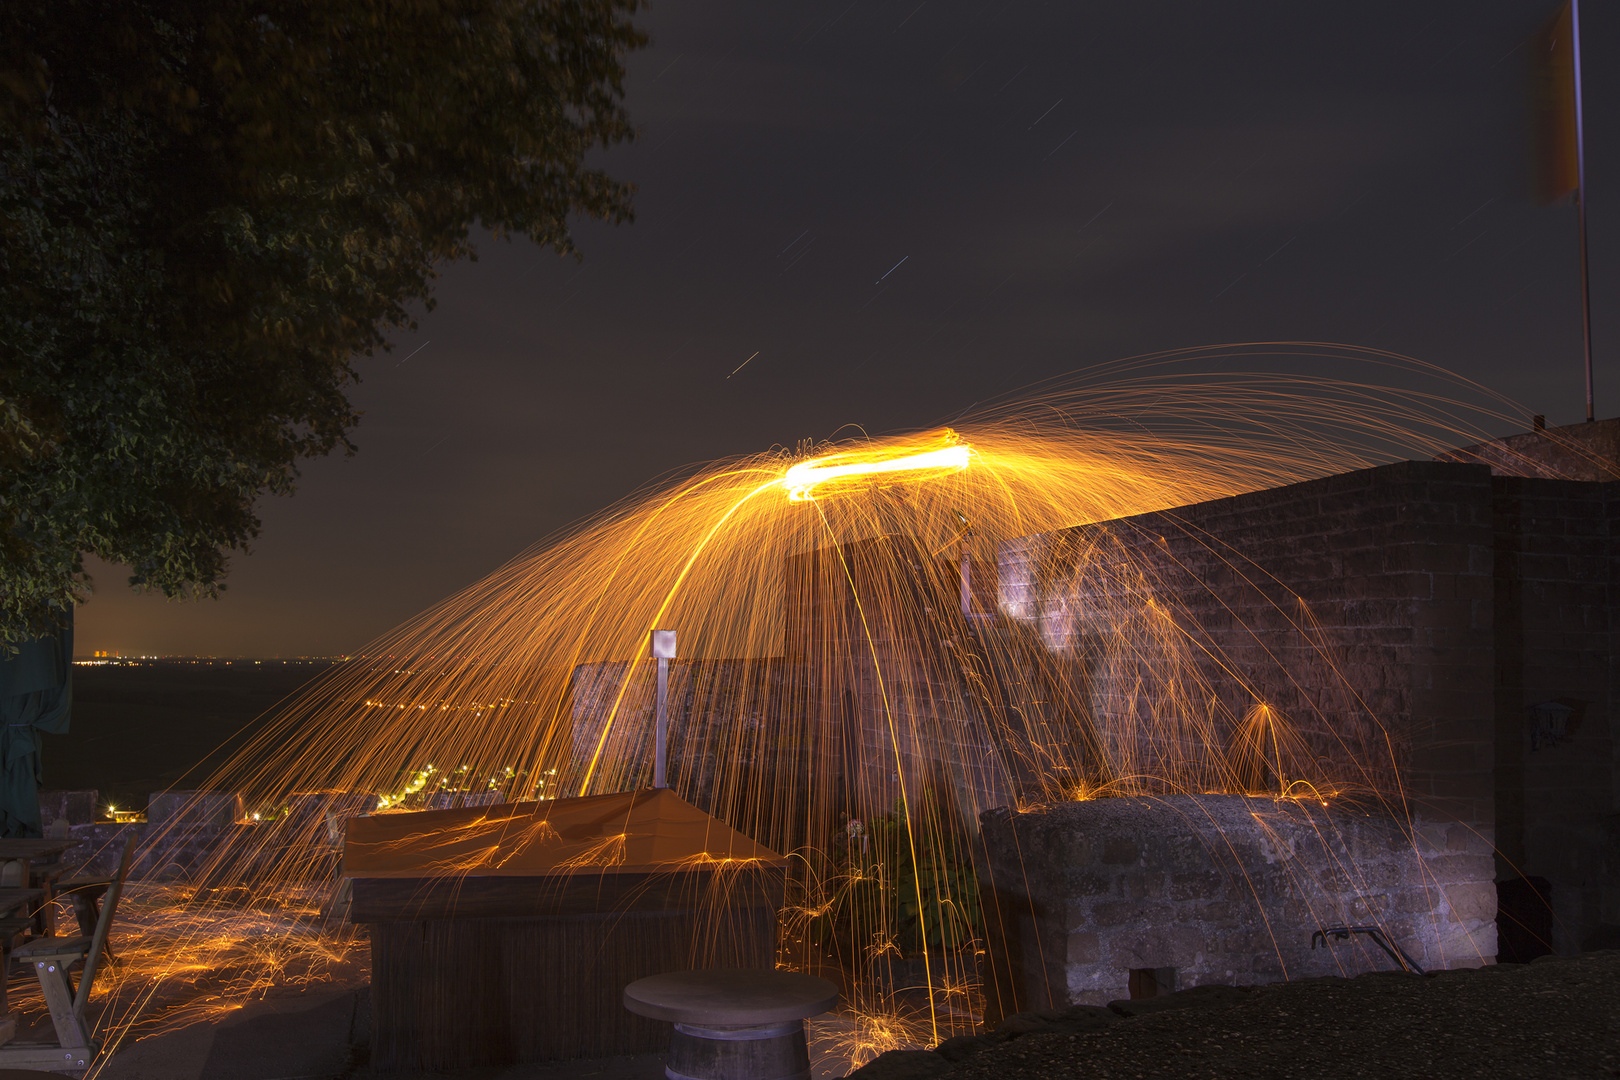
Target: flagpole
1580 200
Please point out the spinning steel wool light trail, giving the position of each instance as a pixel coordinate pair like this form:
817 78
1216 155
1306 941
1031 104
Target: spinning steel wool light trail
863 667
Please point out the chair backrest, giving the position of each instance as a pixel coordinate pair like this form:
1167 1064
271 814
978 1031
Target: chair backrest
98 942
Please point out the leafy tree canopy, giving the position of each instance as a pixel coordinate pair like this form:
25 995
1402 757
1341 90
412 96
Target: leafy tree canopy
210 208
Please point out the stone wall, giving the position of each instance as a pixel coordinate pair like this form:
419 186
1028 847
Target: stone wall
1557 638
74 807
1588 452
160 855
206 855
1433 635
1220 889
201 838
1359 607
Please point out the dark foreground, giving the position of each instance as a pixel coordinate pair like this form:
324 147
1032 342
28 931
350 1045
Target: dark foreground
1554 1018
1557 1017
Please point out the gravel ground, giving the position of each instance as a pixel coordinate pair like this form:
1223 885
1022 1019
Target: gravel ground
1557 1017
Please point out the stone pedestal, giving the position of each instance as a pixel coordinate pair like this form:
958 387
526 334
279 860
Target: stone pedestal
734 1024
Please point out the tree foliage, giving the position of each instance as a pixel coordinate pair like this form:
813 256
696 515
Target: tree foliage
210 208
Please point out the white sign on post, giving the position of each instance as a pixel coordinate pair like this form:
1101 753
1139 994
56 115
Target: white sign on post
663 650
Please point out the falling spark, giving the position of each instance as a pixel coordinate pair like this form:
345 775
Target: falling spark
1045 114
414 351
891 270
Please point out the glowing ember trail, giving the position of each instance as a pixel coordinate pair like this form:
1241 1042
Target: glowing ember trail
836 471
861 676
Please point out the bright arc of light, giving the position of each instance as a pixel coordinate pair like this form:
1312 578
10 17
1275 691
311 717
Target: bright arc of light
802 479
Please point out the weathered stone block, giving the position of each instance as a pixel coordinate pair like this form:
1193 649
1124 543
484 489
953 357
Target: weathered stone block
1474 900
1431 838
1197 886
1084 948
194 808
1118 851
1112 913
1148 885
78 807
1446 869
1420 900
1090 884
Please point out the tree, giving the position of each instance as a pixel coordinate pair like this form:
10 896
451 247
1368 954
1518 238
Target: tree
210 208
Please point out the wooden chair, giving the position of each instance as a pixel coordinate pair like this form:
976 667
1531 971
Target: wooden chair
14 932
85 894
52 959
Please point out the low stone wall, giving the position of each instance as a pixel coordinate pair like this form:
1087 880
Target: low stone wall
173 854
1222 889
76 807
202 837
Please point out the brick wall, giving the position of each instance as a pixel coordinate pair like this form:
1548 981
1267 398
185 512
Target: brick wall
1557 701
1358 606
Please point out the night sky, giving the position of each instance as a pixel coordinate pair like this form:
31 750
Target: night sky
903 208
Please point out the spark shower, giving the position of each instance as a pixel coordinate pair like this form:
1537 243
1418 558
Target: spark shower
859 674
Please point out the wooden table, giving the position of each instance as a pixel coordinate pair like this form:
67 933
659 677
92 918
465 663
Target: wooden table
11 900
14 904
41 866
29 852
35 848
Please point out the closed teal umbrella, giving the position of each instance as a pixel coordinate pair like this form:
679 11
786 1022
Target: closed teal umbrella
36 694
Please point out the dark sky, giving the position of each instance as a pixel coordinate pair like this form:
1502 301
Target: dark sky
906 207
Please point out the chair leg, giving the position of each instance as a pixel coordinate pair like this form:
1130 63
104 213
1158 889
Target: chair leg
57 988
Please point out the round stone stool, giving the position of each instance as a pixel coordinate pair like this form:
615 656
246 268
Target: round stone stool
734 1023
